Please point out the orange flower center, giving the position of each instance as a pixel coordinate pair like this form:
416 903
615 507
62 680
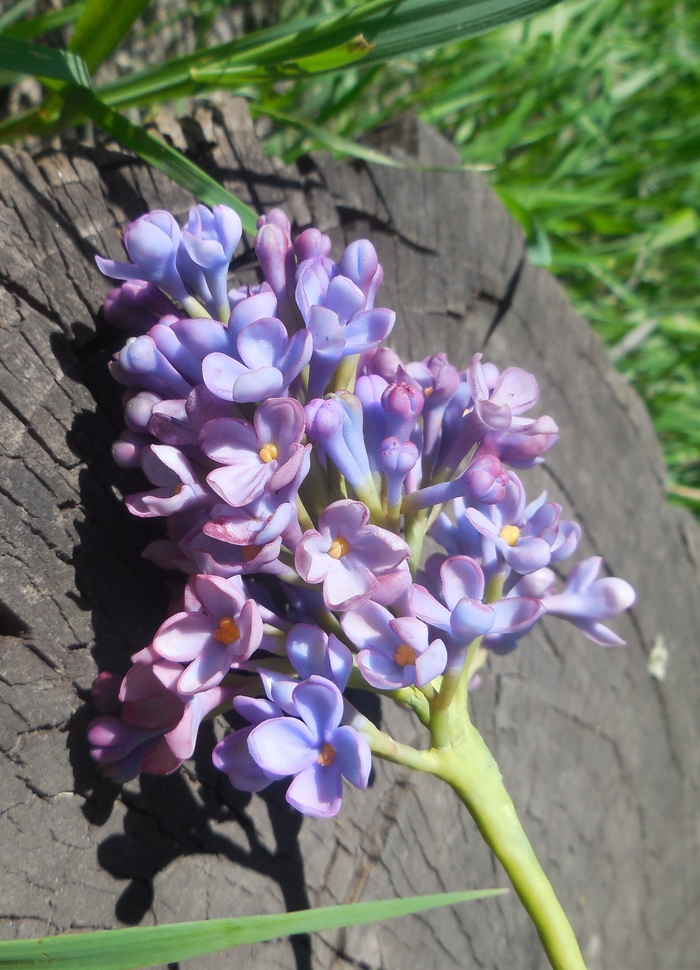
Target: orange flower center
326 755
268 452
227 631
405 655
250 552
428 391
338 548
510 533
178 489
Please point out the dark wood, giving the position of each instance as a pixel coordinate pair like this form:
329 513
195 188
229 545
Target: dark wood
602 760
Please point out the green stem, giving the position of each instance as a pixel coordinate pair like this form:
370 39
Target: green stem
470 770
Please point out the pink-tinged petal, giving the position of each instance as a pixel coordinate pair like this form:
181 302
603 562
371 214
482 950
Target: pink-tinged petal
431 663
352 755
250 625
378 549
285 472
219 597
348 584
369 329
283 745
494 416
262 343
461 577
517 389
344 518
535 585
515 614
280 422
229 439
391 585
258 385
319 703
183 636
477 379
220 373
344 298
161 760
207 669
427 608
311 559
240 483
317 791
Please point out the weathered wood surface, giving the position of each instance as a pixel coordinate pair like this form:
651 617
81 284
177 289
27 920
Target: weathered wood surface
602 761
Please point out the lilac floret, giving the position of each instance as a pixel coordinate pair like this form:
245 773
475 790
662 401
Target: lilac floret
347 555
314 747
312 651
586 601
226 631
178 486
152 243
393 651
208 242
256 458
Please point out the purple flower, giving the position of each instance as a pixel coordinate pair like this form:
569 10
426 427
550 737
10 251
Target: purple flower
141 363
256 458
394 651
526 537
227 631
178 487
269 362
465 616
136 305
208 242
312 651
232 755
587 600
315 748
152 243
347 555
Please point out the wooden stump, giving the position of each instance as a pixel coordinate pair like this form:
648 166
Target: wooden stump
602 760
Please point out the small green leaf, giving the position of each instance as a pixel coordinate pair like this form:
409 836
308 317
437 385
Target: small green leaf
126 949
331 60
43 62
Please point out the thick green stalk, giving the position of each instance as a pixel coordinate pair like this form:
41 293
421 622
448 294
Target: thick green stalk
469 768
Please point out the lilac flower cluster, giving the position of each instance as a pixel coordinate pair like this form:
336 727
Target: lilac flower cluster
298 465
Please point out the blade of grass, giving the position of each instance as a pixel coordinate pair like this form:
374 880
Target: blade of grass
345 146
43 62
161 156
12 15
125 949
101 26
44 22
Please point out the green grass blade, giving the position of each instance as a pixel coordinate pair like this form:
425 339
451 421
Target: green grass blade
43 62
161 156
325 138
125 949
44 23
101 26
12 15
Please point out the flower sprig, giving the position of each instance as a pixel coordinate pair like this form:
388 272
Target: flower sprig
299 464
